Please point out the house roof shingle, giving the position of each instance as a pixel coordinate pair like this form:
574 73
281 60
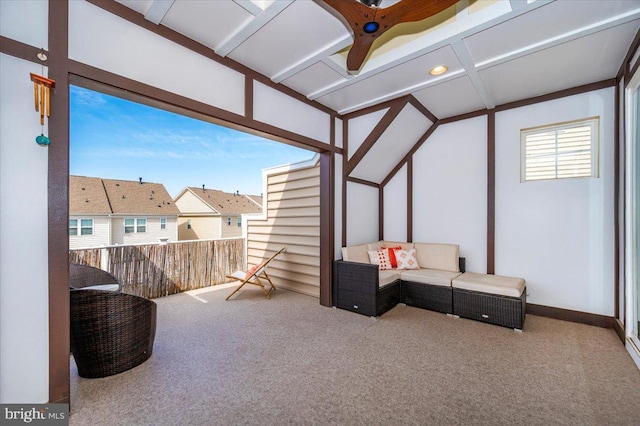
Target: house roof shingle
228 203
89 195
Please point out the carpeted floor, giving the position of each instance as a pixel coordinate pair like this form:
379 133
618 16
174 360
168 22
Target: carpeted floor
289 360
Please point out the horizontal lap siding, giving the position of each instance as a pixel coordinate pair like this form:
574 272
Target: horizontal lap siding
293 220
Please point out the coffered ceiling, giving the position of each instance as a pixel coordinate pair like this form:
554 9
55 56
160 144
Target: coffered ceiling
496 51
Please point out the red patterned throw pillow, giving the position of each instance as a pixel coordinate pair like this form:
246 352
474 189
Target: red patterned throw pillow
407 259
392 255
380 258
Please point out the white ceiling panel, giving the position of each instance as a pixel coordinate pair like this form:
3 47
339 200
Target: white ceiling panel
300 31
496 51
140 6
450 98
582 61
541 24
209 22
313 78
393 145
393 83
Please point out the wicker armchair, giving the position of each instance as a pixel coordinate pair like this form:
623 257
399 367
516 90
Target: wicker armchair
111 332
87 276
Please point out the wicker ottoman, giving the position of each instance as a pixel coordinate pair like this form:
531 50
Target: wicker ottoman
490 298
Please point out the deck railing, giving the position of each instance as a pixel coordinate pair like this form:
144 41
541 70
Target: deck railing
156 270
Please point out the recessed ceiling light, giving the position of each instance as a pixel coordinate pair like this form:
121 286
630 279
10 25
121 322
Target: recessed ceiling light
440 69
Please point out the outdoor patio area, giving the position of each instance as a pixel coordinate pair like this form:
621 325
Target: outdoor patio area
289 360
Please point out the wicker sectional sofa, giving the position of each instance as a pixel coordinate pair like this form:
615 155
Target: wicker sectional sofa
440 284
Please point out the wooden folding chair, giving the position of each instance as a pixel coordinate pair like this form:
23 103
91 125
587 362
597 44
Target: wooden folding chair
256 275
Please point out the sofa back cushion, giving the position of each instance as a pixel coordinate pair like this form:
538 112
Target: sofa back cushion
438 256
355 254
379 244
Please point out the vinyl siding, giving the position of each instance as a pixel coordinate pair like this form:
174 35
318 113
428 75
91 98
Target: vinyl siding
233 230
153 232
202 228
292 220
100 235
189 203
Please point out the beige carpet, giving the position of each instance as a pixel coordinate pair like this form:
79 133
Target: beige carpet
289 360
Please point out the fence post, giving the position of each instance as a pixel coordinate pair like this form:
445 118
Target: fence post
104 259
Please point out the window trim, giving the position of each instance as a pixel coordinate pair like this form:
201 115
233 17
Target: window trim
78 227
163 223
135 225
593 122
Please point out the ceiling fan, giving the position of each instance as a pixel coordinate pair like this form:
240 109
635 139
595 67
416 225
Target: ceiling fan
368 21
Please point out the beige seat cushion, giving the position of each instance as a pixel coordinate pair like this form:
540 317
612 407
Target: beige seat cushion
443 257
355 254
387 277
429 276
494 284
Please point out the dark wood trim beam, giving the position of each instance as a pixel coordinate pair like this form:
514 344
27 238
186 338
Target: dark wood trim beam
345 150
15 48
423 109
373 108
326 227
362 182
633 48
410 200
557 95
58 201
138 19
633 70
332 131
375 134
568 315
412 151
616 203
200 109
466 116
491 191
618 327
380 213
248 97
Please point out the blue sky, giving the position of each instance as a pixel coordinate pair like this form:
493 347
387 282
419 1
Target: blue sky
118 139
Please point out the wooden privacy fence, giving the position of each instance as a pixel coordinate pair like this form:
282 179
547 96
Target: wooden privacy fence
156 270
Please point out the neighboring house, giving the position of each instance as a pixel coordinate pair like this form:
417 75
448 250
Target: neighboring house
210 213
107 212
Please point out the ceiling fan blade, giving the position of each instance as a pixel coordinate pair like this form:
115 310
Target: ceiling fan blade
368 22
358 52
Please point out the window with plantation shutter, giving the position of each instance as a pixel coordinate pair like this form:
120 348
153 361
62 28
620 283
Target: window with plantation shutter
560 151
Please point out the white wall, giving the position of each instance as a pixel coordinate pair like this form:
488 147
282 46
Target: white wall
450 190
621 207
273 107
362 214
24 302
360 127
25 21
395 207
557 234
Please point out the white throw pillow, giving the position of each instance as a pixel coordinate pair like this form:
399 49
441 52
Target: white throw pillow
407 259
